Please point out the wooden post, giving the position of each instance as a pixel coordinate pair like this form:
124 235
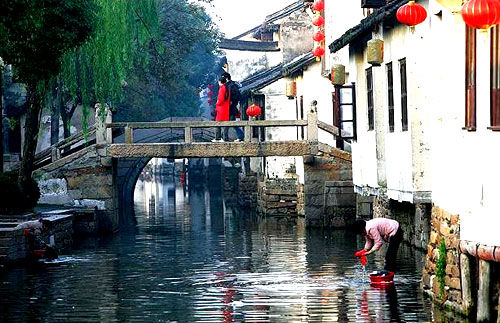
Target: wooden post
109 131
465 276
54 154
483 294
129 135
248 132
312 122
187 135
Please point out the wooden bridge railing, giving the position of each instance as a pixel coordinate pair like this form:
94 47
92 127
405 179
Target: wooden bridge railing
102 132
312 124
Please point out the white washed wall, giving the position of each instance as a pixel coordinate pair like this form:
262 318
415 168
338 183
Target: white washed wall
465 164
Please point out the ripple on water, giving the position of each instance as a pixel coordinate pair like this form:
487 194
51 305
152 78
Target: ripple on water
212 267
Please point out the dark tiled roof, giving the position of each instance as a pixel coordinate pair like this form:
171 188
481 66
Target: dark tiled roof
275 16
253 46
263 78
367 24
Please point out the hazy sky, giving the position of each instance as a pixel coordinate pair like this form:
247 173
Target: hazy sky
236 16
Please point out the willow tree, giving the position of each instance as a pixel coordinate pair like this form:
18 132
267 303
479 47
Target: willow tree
147 61
35 35
97 71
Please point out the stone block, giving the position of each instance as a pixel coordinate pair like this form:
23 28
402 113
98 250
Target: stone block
453 271
452 282
434 237
75 194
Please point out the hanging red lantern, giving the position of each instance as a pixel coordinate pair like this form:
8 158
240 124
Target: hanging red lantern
481 14
319 36
254 110
318 5
318 51
318 21
411 14
210 93
210 101
210 86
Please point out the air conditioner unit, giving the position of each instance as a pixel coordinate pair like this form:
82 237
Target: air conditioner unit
372 3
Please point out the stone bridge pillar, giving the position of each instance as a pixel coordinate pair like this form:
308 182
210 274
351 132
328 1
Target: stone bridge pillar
329 198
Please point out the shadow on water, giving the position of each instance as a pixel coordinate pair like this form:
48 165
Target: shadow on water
194 257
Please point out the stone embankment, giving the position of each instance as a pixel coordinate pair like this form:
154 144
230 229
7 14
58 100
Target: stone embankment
60 227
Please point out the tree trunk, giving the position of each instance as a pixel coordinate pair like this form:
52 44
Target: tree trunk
54 124
54 114
31 128
1 119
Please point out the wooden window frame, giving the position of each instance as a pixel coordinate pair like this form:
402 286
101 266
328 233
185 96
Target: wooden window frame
495 79
390 95
404 94
470 79
370 98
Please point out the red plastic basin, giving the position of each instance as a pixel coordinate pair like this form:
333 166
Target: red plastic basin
382 279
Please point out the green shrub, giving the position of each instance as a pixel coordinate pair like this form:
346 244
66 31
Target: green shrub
441 267
12 198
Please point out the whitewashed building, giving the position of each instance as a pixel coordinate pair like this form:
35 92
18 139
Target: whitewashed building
426 151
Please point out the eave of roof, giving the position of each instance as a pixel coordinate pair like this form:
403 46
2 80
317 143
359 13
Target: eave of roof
275 16
253 46
263 78
366 25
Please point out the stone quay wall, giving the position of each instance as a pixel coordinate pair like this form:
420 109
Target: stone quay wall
59 233
444 227
277 197
247 189
329 198
83 179
340 204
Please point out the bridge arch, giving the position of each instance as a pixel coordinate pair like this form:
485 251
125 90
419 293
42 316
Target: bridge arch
127 170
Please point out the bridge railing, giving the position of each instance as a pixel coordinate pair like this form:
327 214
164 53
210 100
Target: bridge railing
311 123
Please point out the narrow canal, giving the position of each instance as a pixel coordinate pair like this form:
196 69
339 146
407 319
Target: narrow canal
192 257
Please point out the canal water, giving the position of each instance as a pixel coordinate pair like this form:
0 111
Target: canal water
193 256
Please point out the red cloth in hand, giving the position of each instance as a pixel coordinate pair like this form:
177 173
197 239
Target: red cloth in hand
360 253
363 261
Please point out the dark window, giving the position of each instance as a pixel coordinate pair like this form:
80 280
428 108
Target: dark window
470 79
369 94
495 80
404 95
390 96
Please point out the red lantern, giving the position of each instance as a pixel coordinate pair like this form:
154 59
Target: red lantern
411 14
319 36
481 14
210 101
254 110
318 5
318 51
318 21
210 86
210 93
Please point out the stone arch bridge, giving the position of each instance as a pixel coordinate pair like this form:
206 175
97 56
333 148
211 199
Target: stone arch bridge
102 171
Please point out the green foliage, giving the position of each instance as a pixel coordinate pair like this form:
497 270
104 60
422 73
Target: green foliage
35 34
441 267
147 60
15 199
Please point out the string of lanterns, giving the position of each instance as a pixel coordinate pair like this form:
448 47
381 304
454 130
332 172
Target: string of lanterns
319 36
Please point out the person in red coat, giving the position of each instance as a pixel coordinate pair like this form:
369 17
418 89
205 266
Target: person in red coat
222 108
